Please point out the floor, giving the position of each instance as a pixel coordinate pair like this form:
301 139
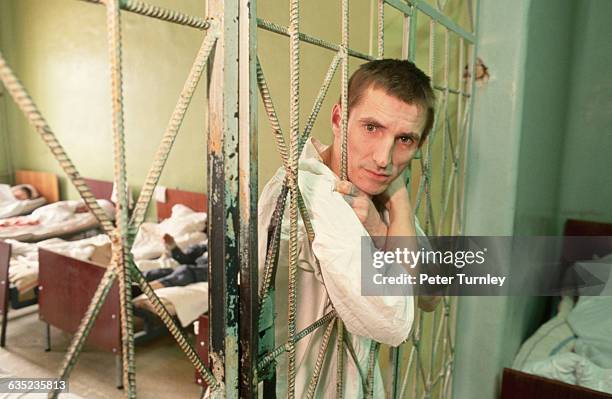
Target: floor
162 371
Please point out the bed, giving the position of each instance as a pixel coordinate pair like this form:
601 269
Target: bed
45 183
570 356
10 296
63 301
58 219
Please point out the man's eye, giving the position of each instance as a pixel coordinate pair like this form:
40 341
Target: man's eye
405 139
370 127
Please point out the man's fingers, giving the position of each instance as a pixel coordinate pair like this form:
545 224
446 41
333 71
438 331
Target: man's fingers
348 188
349 200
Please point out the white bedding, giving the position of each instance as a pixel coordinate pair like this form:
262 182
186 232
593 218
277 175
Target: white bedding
184 225
15 208
574 347
23 270
51 220
189 302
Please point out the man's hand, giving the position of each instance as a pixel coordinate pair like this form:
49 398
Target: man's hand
365 210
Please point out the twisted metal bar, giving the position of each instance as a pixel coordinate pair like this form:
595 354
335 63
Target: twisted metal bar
340 359
343 176
272 252
456 152
294 113
164 14
173 127
344 88
314 378
119 238
25 103
266 360
374 347
446 134
272 116
283 30
381 30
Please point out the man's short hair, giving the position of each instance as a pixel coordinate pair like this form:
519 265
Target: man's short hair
399 78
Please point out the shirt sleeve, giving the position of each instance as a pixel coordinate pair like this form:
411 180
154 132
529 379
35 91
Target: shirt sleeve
337 246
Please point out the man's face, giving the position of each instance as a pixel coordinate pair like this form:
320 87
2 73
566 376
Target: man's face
383 136
20 194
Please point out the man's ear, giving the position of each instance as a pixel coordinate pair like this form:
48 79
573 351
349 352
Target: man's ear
336 119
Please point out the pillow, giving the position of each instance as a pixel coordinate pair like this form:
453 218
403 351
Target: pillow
600 269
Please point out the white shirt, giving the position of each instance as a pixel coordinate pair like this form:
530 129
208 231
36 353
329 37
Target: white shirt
336 284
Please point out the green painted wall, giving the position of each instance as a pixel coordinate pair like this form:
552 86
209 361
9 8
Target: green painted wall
491 189
586 179
5 38
548 63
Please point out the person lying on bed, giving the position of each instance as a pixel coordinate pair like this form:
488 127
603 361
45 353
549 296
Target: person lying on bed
193 267
23 192
20 192
55 213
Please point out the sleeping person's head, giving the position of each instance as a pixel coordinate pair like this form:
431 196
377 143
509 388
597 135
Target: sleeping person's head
24 192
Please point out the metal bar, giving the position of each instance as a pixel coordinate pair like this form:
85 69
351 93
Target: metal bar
164 14
460 71
340 359
395 362
247 166
283 30
399 6
405 37
412 35
119 239
443 19
223 189
294 127
308 330
380 37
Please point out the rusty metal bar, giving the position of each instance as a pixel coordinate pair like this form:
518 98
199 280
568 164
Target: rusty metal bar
223 188
247 165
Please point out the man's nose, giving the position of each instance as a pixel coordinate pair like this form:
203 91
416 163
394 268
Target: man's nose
383 153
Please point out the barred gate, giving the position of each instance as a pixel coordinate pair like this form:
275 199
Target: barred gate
422 367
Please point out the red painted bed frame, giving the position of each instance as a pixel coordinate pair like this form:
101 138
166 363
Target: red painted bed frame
517 384
66 286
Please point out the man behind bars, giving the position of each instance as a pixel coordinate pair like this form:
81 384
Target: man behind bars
391 112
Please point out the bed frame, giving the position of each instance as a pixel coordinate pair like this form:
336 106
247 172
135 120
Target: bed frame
517 384
66 286
46 184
